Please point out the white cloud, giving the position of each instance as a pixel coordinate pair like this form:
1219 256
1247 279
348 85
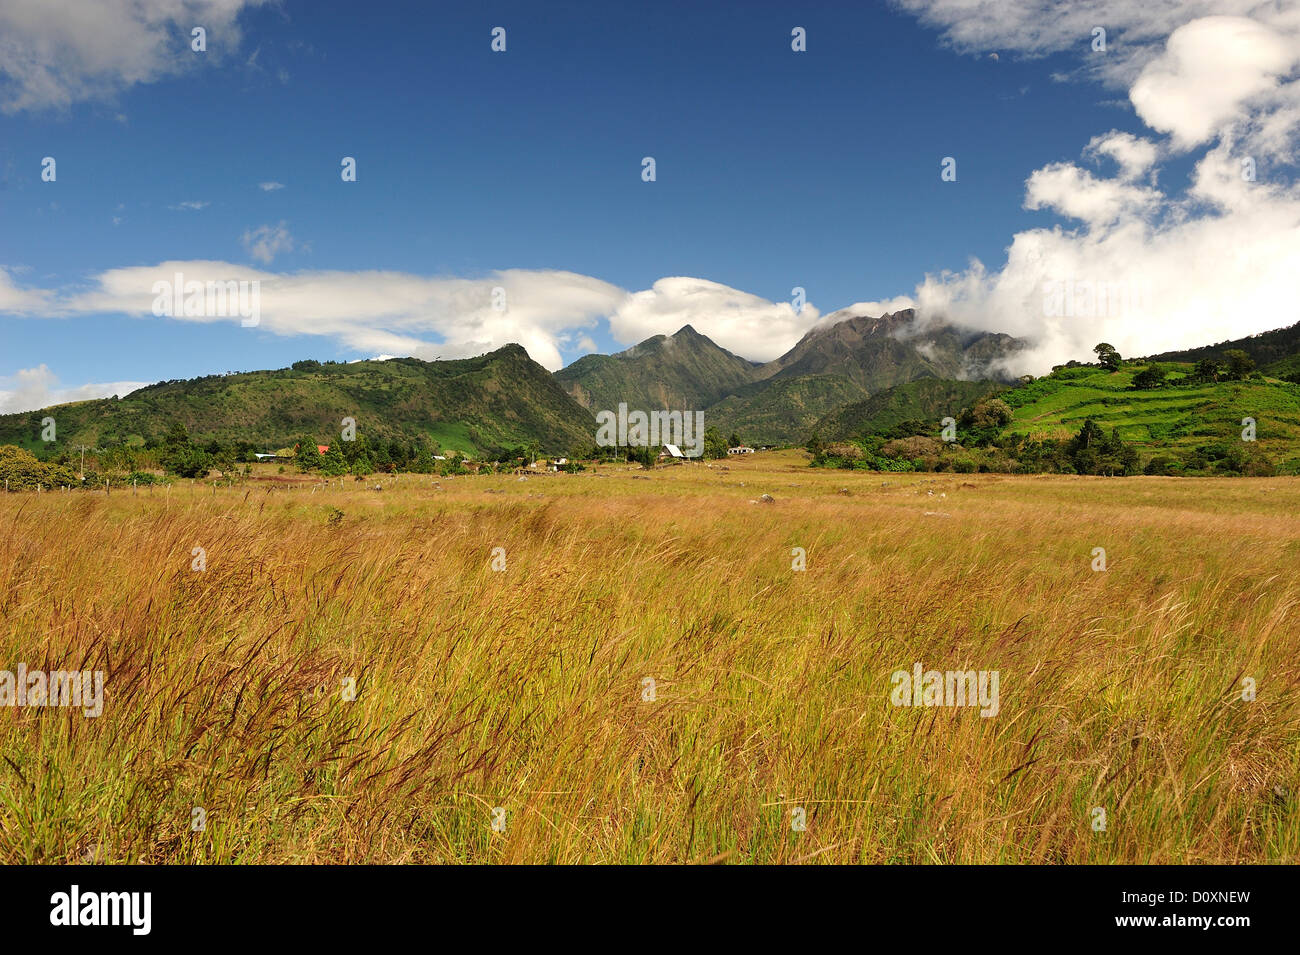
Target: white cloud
374 312
33 388
1209 70
21 301
397 313
54 53
1182 280
1148 269
1035 28
1135 157
270 186
749 325
266 242
190 205
1075 193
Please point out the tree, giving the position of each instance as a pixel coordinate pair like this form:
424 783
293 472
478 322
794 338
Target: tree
1207 369
180 456
333 464
734 440
177 436
22 470
1092 451
224 460
423 463
991 413
1148 378
1117 457
188 462
1107 356
1089 436
644 455
714 446
1240 365
454 464
307 457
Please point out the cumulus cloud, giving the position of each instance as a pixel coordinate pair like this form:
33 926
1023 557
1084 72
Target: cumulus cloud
1076 194
374 312
747 324
1147 268
32 388
190 205
1210 69
397 313
266 242
54 53
270 186
1143 285
1135 157
15 300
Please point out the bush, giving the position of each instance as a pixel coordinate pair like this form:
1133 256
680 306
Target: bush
188 461
1259 465
849 452
990 413
1149 378
912 448
24 471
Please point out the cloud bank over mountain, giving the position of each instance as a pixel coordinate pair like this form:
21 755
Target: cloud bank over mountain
1143 266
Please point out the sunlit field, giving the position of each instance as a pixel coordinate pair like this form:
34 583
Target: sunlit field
649 679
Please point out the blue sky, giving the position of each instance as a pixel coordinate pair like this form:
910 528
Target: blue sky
775 169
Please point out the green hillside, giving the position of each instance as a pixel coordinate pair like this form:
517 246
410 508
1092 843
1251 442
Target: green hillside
1184 421
496 400
781 410
838 362
928 399
683 372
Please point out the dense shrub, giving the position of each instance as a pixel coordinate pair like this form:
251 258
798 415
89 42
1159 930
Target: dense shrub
23 471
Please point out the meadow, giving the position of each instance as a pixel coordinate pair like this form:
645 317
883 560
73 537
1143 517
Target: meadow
519 695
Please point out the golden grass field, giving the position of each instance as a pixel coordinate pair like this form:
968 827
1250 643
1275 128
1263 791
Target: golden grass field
522 689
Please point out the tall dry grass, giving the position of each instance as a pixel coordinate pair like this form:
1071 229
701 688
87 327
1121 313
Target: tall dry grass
522 689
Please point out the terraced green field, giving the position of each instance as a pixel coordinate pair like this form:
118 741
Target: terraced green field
1176 417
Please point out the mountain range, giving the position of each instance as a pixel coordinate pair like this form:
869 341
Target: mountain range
503 398
843 359
851 374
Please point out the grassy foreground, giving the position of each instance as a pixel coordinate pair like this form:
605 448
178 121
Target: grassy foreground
523 688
